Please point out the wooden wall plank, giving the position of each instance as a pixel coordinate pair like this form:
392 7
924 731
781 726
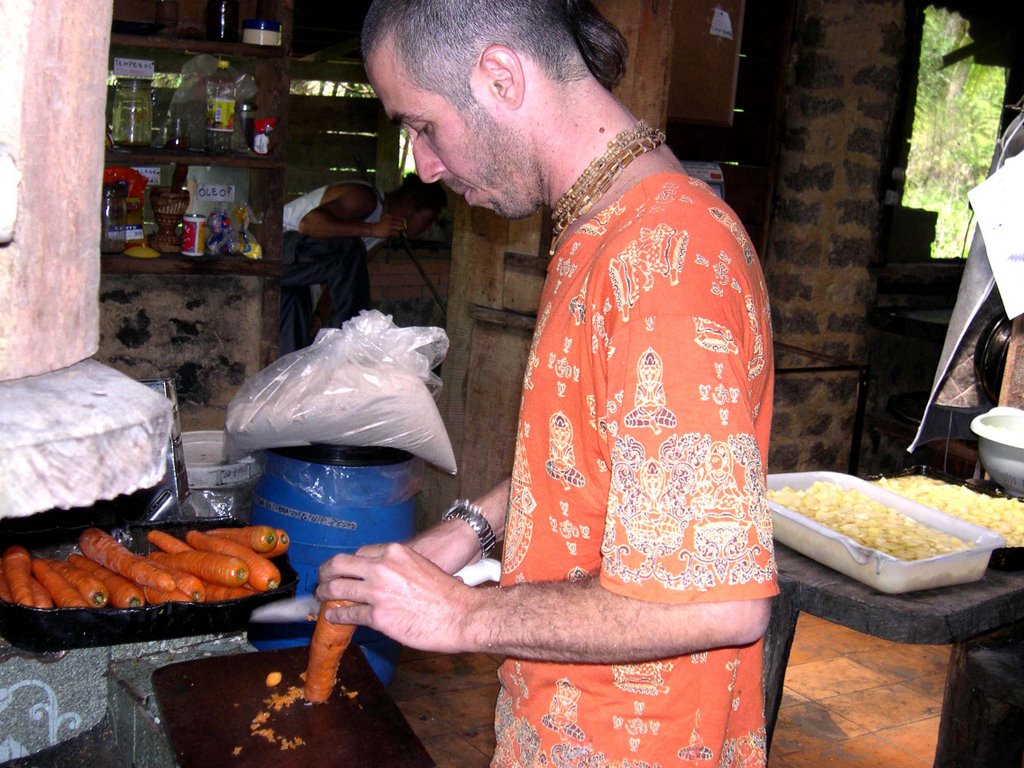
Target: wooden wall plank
334 112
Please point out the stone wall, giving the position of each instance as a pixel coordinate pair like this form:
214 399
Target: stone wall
201 331
840 104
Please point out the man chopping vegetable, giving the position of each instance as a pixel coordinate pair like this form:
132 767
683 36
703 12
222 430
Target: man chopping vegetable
637 564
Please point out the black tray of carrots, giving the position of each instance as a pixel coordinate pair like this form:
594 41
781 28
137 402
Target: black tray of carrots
147 614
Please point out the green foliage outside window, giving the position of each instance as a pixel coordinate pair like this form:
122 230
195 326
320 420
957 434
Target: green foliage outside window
956 125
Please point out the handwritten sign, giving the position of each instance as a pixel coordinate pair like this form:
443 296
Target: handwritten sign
141 68
721 24
152 174
216 193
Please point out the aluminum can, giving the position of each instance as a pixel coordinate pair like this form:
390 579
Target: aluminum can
193 234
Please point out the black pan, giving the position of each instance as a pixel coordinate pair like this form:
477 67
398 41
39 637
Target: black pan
56 629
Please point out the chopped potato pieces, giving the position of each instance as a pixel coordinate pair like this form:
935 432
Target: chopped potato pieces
1003 515
868 522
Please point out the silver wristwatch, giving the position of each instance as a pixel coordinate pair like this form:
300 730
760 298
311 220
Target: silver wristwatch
462 509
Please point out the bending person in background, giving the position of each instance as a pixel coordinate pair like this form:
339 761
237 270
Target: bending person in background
328 234
638 569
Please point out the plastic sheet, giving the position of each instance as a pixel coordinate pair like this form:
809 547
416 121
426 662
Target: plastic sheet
369 383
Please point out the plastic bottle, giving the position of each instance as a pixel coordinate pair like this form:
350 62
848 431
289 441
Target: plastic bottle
220 110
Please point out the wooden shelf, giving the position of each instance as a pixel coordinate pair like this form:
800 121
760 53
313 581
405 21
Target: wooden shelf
175 264
195 45
156 156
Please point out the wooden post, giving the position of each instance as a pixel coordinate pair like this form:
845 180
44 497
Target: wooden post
52 126
1012 392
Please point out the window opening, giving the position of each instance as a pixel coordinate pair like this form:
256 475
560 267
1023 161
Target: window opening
957 110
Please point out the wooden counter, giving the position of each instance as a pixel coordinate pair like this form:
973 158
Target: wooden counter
955 615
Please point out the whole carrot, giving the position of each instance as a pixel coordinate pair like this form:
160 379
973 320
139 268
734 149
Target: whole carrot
156 596
108 552
218 592
209 566
5 590
64 595
282 544
263 574
325 651
17 567
40 595
165 542
186 582
88 586
259 538
121 592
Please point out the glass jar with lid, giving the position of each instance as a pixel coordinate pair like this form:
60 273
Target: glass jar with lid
133 113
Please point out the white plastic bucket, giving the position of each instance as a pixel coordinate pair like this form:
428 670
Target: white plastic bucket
227 486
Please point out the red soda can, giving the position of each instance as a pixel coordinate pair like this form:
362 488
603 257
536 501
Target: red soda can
193 234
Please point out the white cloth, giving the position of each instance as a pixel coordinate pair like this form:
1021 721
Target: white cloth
300 206
956 396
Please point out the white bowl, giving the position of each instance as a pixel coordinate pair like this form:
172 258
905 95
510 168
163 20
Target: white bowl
1001 446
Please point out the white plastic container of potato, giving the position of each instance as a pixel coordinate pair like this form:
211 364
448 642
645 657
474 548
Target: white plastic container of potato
878 570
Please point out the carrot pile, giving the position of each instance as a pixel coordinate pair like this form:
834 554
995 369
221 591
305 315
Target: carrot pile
219 564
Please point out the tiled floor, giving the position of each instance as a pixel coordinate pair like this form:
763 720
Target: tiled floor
850 700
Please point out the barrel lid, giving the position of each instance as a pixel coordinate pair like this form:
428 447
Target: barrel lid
344 455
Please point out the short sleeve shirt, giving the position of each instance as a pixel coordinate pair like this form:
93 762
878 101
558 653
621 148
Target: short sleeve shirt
640 459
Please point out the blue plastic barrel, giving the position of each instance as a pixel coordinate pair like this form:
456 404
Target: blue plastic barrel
332 499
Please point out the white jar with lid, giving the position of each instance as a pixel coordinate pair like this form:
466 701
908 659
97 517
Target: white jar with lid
261 32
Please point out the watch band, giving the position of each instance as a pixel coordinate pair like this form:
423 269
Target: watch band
462 509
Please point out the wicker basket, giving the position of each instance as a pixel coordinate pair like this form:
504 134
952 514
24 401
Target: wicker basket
169 205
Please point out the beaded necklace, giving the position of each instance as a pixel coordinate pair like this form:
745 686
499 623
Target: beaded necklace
599 175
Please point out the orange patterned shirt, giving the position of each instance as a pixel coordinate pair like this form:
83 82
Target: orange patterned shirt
640 457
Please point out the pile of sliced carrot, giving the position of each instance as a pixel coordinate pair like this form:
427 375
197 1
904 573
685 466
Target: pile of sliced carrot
218 564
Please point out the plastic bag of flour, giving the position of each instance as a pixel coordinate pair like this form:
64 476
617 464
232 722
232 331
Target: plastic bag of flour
368 383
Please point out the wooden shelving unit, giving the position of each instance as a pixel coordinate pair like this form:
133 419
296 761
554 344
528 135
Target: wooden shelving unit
270 68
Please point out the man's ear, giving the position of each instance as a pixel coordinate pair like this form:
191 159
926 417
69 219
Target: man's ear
498 78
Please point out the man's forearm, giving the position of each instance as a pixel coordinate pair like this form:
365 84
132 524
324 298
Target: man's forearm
582 622
319 223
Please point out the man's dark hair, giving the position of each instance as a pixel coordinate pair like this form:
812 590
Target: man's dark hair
439 41
431 196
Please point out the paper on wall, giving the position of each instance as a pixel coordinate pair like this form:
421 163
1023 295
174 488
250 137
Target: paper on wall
721 24
998 202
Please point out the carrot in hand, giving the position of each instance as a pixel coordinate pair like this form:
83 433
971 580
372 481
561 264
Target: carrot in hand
259 538
108 552
282 544
167 543
263 574
325 651
208 566
17 567
88 586
188 583
121 592
64 595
